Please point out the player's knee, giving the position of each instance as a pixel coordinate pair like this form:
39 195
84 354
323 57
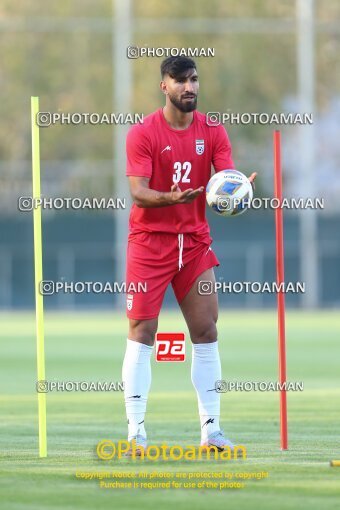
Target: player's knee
142 331
206 333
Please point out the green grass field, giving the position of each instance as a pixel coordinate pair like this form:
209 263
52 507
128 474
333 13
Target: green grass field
90 347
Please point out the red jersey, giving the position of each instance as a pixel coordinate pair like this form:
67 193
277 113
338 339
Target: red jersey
167 156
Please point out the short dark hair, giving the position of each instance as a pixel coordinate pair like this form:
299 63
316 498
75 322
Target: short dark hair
176 67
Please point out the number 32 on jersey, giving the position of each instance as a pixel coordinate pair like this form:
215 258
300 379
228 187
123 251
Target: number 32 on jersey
182 172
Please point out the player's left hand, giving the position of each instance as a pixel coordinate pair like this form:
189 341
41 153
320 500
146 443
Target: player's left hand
252 179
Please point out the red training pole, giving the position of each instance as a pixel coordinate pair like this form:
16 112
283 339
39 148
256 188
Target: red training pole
280 295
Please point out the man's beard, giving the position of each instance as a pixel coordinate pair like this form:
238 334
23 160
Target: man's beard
184 106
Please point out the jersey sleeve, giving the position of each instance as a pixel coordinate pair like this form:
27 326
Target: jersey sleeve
138 153
222 154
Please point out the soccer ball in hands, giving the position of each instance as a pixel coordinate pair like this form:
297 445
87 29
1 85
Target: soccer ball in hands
229 193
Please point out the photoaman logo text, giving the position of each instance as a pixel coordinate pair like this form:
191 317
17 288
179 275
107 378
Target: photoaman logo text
108 450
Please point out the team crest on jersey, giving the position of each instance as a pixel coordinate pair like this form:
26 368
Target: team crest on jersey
129 301
199 147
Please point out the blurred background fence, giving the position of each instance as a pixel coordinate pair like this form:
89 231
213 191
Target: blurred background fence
81 247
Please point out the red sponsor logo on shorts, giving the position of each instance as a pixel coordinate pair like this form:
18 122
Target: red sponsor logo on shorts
170 347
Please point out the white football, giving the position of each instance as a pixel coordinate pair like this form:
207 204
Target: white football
229 193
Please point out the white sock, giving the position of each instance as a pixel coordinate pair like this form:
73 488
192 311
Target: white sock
205 371
136 375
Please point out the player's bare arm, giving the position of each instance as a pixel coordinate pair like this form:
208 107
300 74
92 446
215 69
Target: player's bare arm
143 196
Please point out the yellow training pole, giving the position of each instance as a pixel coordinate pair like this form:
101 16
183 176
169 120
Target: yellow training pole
39 302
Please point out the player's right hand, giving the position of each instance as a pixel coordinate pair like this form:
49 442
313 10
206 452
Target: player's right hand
184 197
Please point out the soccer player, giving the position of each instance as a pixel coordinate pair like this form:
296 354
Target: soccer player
169 160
